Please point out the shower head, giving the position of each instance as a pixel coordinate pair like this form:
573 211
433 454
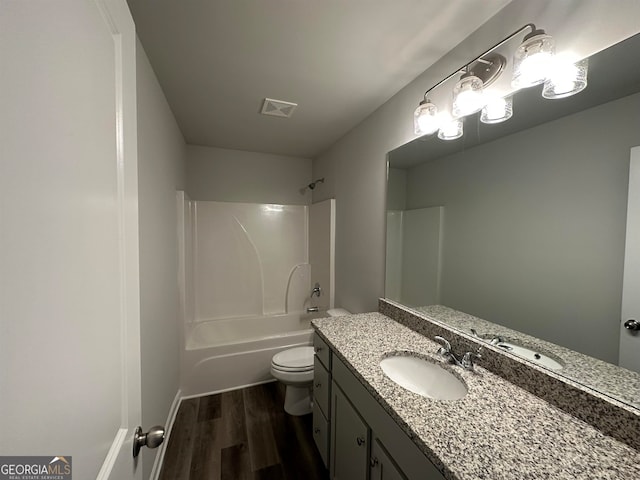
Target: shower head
312 185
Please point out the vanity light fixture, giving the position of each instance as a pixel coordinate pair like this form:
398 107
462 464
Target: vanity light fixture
468 93
566 79
534 62
468 96
497 110
451 129
425 118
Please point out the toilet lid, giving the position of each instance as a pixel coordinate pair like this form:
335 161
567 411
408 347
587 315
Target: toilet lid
299 358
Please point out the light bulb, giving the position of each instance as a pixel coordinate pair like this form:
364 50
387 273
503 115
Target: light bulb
467 96
497 110
425 118
532 60
451 129
566 79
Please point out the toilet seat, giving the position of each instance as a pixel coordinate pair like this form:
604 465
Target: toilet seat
292 370
294 360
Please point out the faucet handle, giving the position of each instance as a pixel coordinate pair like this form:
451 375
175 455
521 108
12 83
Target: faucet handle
446 346
468 358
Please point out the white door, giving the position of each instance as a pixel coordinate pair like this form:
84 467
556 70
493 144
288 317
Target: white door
629 339
69 301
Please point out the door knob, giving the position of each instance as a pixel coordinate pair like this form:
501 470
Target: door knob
632 324
152 439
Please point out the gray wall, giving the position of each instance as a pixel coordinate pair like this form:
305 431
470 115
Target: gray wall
237 176
535 223
161 171
396 189
355 166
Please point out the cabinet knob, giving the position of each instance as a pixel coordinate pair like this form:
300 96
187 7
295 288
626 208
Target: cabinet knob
360 441
374 462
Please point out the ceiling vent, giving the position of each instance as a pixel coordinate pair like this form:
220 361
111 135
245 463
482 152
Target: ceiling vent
278 108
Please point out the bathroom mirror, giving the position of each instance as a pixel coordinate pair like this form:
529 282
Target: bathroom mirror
522 223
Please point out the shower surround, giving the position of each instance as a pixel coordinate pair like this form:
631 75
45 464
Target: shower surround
246 274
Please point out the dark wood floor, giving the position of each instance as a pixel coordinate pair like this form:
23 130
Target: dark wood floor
244 434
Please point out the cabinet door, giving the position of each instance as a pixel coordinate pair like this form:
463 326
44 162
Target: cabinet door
382 467
321 387
350 439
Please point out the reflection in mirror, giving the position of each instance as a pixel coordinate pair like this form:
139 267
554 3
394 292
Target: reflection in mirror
522 224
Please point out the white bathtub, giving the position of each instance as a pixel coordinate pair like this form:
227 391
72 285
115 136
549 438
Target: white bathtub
231 353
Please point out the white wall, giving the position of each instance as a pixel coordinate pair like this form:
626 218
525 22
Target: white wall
236 176
161 171
355 169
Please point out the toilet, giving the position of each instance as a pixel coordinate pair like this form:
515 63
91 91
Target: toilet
294 368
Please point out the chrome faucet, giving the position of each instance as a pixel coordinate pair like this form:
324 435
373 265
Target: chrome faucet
316 290
468 358
445 349
494 341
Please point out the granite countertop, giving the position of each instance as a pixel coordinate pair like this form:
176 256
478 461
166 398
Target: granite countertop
496 432
605 377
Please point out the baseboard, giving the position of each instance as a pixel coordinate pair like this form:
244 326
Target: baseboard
112 456
231 389
173 411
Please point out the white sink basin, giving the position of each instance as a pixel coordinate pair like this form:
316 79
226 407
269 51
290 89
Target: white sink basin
531 355
423 377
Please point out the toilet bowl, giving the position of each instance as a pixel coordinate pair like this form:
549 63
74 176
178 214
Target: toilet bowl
294 368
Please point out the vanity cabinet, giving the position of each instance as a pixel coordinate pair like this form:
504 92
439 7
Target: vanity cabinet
364 442
355 449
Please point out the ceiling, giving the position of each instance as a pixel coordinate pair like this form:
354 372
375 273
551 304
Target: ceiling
339 60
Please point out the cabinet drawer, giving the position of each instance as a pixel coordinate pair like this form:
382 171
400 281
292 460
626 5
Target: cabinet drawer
321 386
323 353
321 434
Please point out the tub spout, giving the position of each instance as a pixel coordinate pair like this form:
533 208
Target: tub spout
312 309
